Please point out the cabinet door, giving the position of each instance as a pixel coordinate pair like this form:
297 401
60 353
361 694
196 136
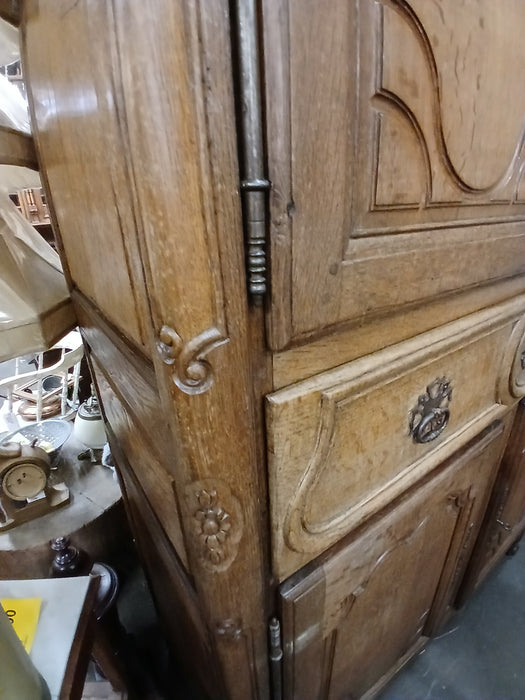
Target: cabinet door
353 616
504 522
395 145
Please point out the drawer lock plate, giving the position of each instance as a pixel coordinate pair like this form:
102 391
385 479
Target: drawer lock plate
431 415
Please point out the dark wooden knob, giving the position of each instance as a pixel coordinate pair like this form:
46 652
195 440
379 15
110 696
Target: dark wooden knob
68 560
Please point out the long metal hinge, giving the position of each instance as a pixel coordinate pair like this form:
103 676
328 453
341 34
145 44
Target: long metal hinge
276 658
254 185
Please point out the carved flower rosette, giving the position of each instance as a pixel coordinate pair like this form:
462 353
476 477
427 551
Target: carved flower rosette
217 523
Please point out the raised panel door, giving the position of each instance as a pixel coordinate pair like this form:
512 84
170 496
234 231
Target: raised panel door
340 446
395 146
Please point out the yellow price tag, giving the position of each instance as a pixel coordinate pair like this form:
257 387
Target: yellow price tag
23 613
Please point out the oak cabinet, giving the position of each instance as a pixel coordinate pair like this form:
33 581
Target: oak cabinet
293 232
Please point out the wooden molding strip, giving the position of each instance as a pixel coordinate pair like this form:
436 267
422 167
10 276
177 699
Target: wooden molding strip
10 10
17 148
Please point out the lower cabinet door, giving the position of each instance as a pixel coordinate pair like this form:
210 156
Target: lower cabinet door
504 520
353 616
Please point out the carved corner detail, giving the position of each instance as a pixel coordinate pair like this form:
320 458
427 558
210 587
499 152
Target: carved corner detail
217 523
511 382
192 372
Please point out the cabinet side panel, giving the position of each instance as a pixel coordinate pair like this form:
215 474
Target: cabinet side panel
179 613
164 151
504 521
76 122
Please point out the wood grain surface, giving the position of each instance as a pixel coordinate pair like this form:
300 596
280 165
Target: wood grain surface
279 443
391 159
504 521
17 148
339 445
144 179
351 617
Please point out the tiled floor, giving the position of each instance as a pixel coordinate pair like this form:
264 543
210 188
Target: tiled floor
480 655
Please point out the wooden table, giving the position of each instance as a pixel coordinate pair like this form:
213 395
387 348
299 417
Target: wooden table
94 519
68 635
64 635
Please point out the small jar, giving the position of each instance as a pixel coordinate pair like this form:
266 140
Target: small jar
89 426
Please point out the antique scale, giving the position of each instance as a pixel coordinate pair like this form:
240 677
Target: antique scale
25 490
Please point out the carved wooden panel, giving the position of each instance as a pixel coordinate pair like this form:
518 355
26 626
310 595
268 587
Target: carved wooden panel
354 614
504 521
395 154
344 443
93 204
180 613
126 386
447 120
512 385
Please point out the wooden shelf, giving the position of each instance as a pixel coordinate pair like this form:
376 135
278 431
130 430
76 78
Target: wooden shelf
10 11
17 148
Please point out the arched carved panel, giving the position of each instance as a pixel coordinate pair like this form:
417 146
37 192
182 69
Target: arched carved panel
396 155
446 70
465 109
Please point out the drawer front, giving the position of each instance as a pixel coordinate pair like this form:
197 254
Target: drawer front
346 442
371 601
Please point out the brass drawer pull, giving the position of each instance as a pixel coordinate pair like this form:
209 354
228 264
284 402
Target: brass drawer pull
431 415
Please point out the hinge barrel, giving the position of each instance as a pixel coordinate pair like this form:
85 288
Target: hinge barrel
254 184
276 658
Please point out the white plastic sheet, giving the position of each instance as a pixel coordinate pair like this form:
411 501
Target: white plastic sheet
9 43
13 107
14 178
35 308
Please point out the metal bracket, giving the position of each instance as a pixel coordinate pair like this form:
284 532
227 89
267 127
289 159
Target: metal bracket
276 658
254 184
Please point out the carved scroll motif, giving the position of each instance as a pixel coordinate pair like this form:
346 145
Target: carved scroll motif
217 523
192 372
